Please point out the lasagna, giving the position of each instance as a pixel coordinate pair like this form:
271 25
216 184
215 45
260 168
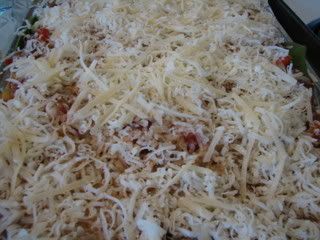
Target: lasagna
151 120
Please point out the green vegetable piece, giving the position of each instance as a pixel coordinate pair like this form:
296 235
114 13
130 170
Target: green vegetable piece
28 31
298 54
34 19
21 42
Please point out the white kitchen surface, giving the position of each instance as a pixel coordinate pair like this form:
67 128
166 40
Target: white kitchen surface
11 18
307 10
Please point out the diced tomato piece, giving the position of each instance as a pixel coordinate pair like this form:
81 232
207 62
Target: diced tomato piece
62 108
8 61
43 34
192 142
284 61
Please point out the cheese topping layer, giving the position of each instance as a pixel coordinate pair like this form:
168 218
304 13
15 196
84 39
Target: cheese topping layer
164 119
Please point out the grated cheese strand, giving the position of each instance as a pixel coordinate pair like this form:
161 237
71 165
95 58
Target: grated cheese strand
244 168
215 140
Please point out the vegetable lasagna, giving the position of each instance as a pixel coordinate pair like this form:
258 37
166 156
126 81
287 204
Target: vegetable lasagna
157 119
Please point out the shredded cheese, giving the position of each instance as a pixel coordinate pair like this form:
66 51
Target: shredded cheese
157 119
215 140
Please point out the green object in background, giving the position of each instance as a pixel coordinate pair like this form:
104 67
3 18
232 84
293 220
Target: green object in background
298 54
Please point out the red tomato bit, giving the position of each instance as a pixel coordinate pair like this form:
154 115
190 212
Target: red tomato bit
284 61
43 34
192 142
8 61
